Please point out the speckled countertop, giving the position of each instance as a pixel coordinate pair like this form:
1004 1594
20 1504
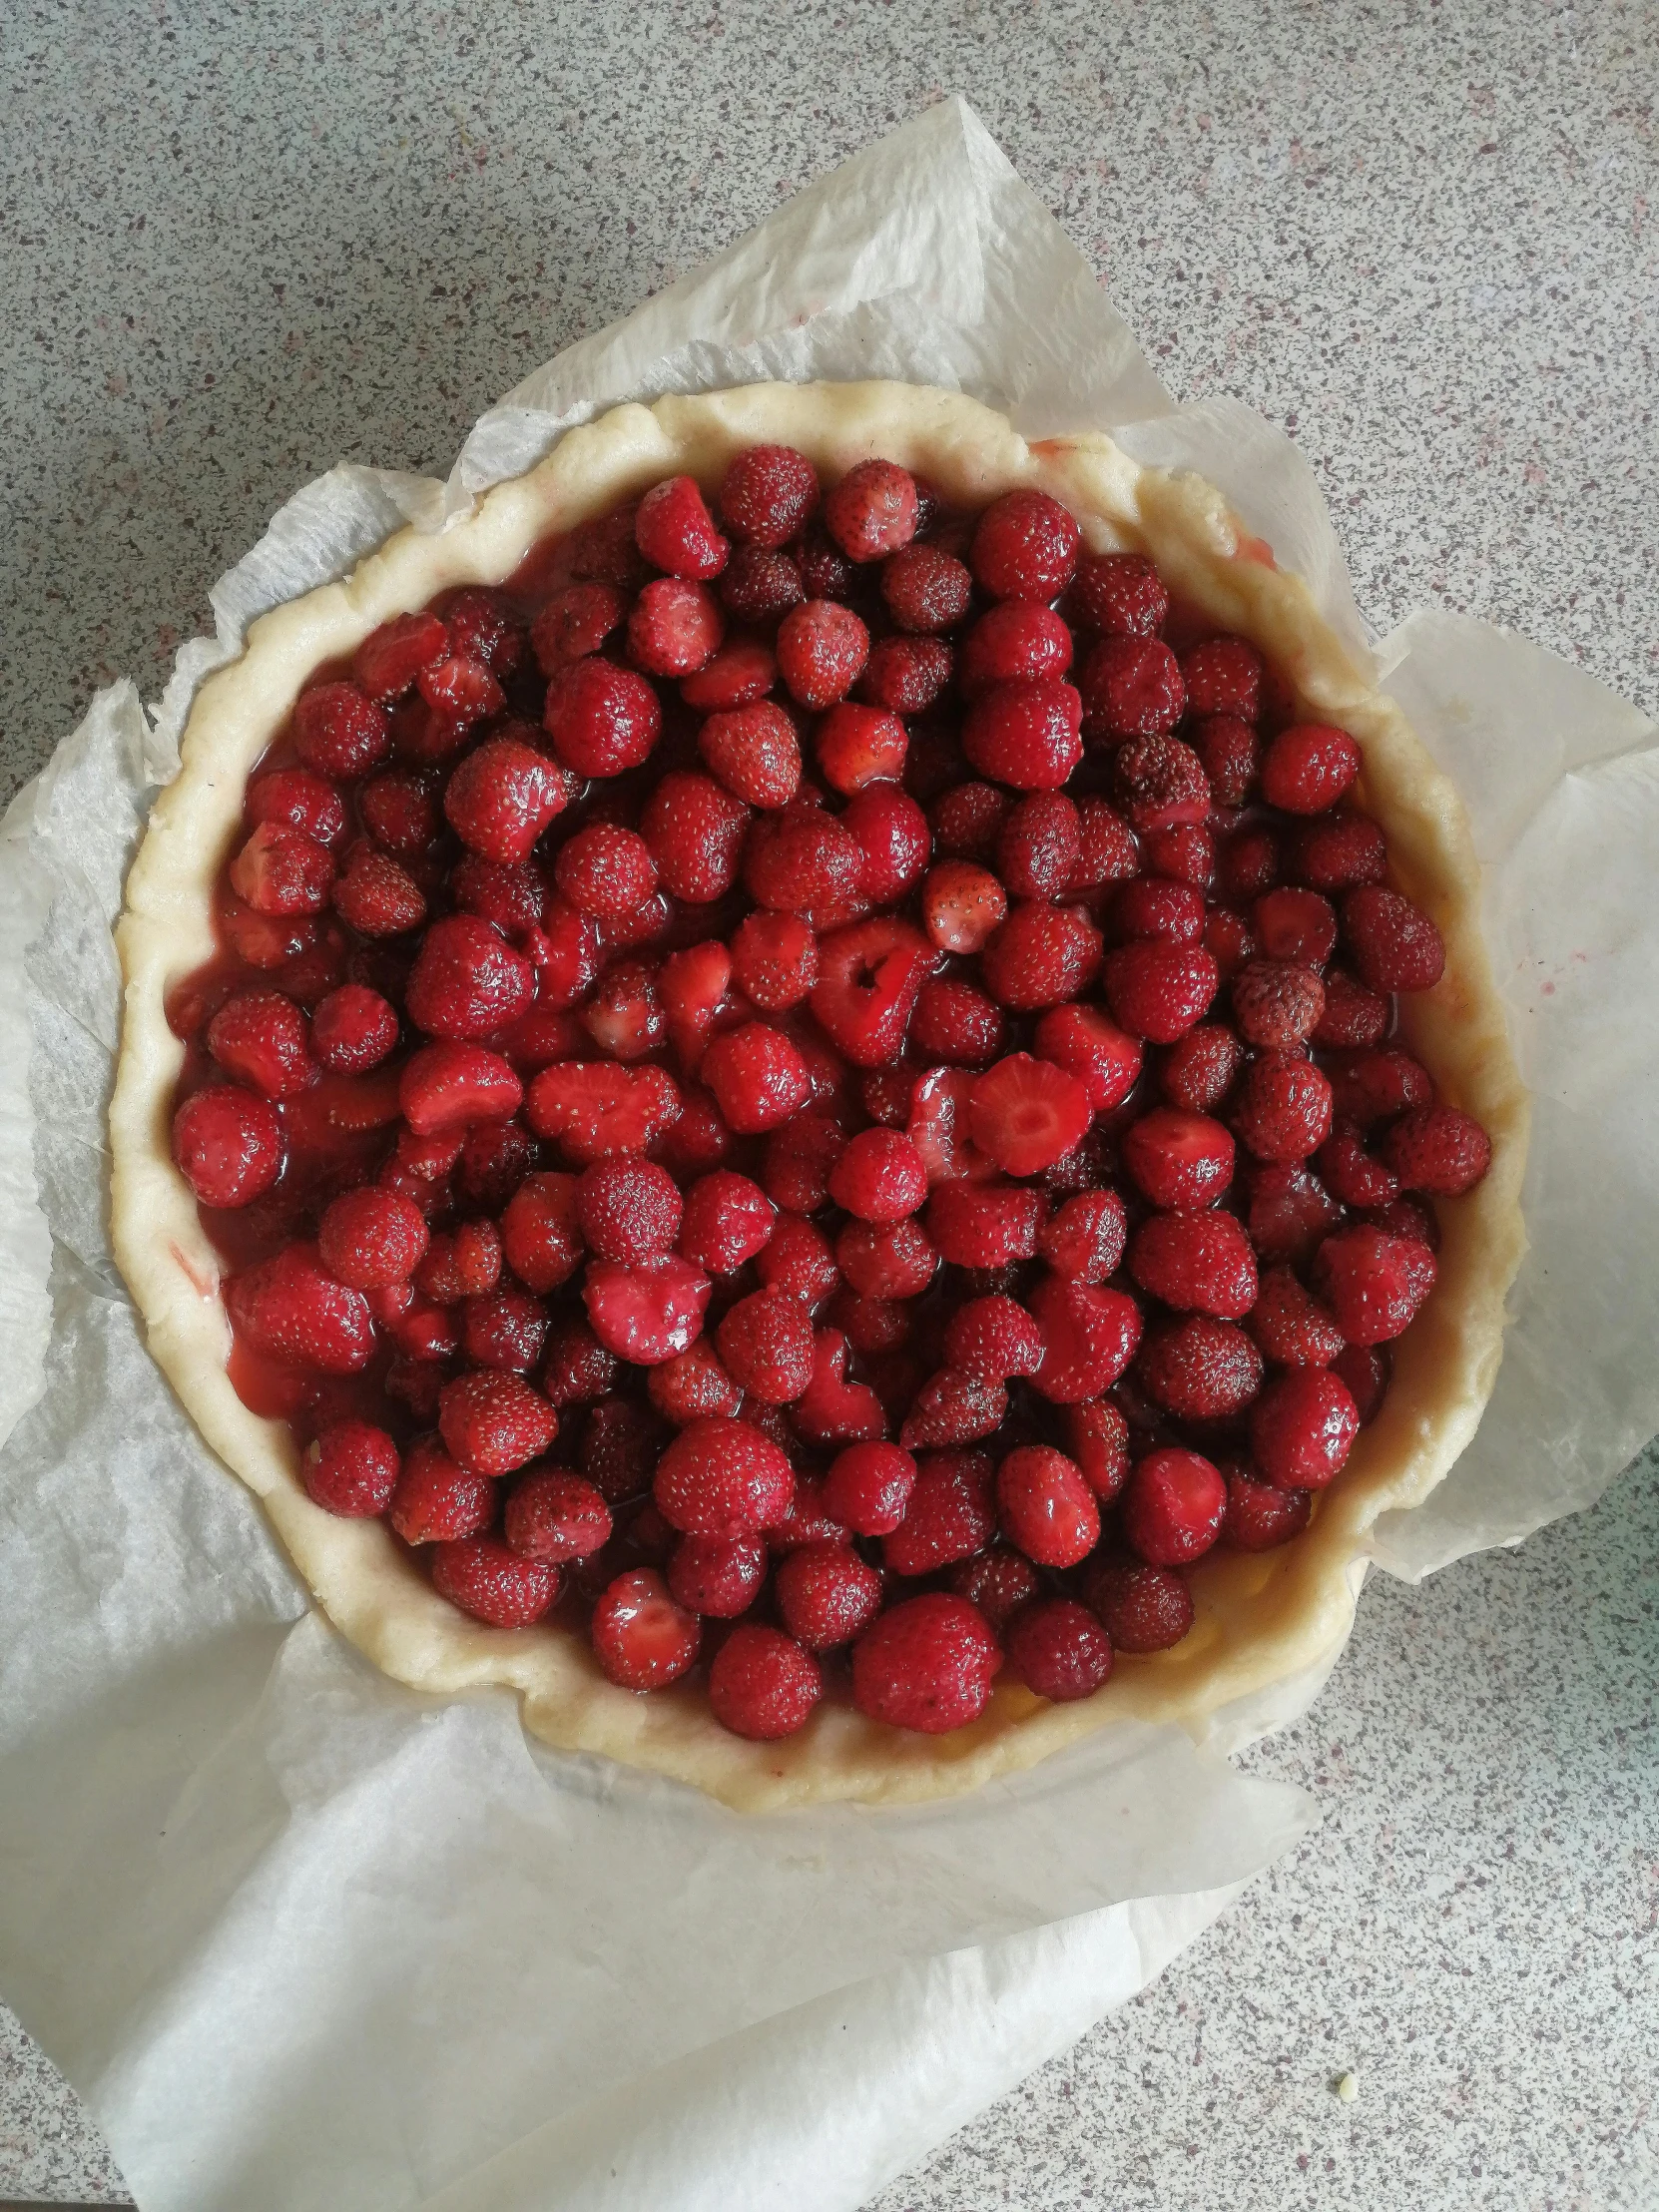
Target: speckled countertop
242 243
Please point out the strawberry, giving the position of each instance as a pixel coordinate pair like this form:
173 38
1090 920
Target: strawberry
1395 946
1158 992
1277 1003
1131 688
1120 595
674 531
1179 1159
1160 783
574 622
1025 732
556 1515
1283 1108
647 1311
873 512
628 1209
1142 1608
982 1225
1040 957
391 657
460 1264
290 1309
1083 1239
1089 1337
281 871
301 800
1373 1283
826 1594
1223 675
893 840
1290 1210
590 1108
720 1577
754 752
857 744
1099 1438
1308 769
1025 1113
927 1664
1046 1507
758 1077
461 690
962 905
1173 1507
1200 1369
993 1338
723 1478
870 977
1104 1058
601 718
926 587
821 651
833 1410
1439 1150
450 1085
1289 1324
338 732
676 627
1196 1263
692 1386
1302 1428
1060 1650
640 1638
904 675
766 1343
953 1407
1025 546
492 1422
227 1145
762 1683
951 1515
467 981
802 860
260 1038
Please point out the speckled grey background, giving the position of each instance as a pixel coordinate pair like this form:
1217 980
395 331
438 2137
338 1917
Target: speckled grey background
239 242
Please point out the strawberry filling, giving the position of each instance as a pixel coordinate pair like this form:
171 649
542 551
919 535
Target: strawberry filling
820 1066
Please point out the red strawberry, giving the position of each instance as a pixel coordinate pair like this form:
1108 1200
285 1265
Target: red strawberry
1158 992
1173 1507
492 1422
260 1037
1104 1057
1099 1439
1040 957
574 622
870 977
493 1583
1176 1158
831 1409
674 531
467 981
1200 1369
391 657
1291 1326
1025 732
450 1085
676 627
953 1407
1046 1507
962 905
461 690
720 1577
1027 1114
641 1639
591 1108
281 871
1373 1283
993 1338
1025 546
1131 688
926 587
752 751
1303 1428
1142 1608
723 1478
1277 1003
1289 1212
501 799
602 719
1282 1109
1307 769
821 651
692 1386
303 800
951 1515
766 1343
1439 1150
1119 594
291 1308
1060 1650
1260 1517
1089 1337
340 733
767 494
904 675
1083 1239
762 1683
649 1312
1395 946
803 861
1223 676
983 1225
1196 1263
227 1145
927 1664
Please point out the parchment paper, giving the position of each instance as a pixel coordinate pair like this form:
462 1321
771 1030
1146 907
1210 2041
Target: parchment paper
301 1937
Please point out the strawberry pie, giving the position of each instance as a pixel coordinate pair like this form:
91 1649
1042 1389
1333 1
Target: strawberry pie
823 1089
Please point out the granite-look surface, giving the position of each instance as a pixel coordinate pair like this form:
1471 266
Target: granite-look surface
240 244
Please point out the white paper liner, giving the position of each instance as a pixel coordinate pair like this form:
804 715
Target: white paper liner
302 1937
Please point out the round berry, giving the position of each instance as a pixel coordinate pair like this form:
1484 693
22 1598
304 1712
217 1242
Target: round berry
641 1639
925 1664
762 1683
1060 1649
227 1145
351 1469
1173 1506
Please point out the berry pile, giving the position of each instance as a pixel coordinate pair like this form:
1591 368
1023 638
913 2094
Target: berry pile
810 1084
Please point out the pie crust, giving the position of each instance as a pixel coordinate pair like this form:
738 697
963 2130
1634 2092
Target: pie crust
1260 1618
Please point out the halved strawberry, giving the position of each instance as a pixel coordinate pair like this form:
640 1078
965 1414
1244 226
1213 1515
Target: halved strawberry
870 977
1027 1113
648 1313
590 1107
938 1127
692 986
830 1410
449 1085
1090 1045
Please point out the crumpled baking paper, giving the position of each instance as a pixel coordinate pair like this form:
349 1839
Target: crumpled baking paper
303 1939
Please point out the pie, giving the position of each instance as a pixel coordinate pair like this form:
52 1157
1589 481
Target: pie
823 1090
